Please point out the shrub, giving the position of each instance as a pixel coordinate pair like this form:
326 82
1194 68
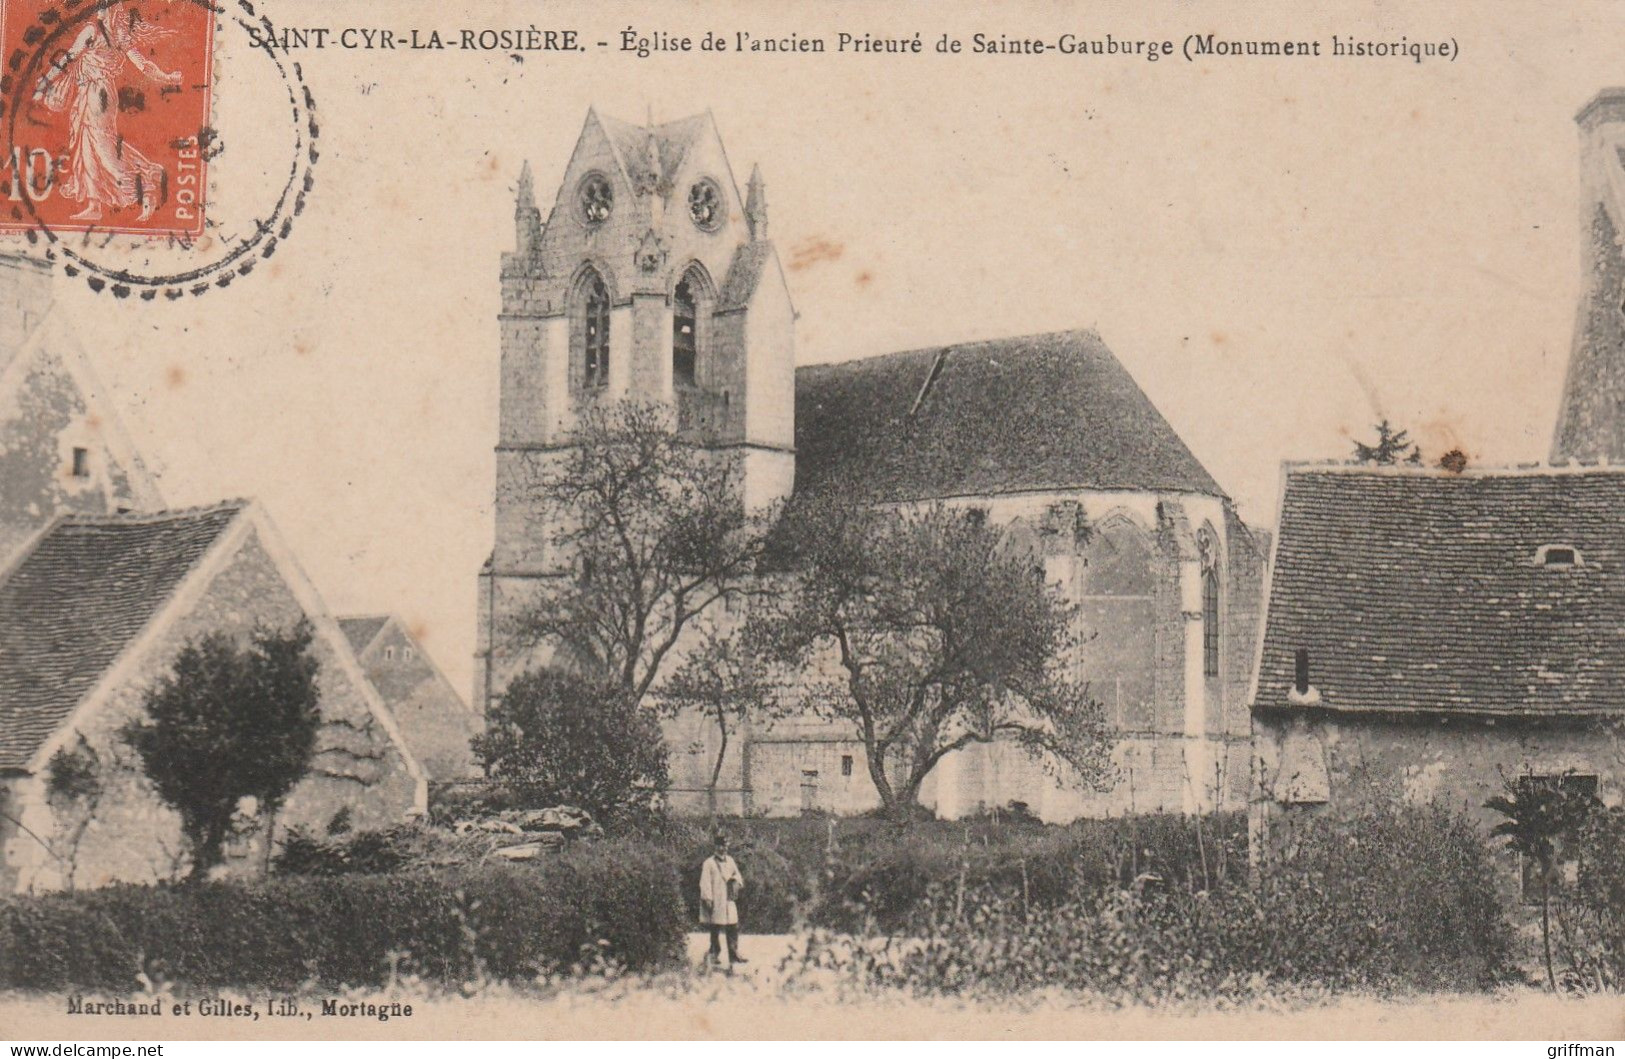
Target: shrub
344 853
613 902
1590 915
560 738
878 881
1399 899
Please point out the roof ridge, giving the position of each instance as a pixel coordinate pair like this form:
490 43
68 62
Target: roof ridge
1532 470
959 347
125 518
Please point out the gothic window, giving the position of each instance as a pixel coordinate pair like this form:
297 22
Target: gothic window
684 340
705 205
595 332
595 198
1210 622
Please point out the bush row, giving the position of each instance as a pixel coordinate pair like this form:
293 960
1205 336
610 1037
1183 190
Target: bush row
614 902
1402 899
879 888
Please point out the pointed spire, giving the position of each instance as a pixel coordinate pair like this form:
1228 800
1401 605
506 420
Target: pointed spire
756 205
527 188
527 219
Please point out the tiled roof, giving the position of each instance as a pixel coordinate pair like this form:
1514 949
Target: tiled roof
1054 411
79 595
1420 591
360 631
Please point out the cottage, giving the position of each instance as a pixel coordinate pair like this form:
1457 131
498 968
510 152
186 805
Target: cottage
93 611
1432 635
432 717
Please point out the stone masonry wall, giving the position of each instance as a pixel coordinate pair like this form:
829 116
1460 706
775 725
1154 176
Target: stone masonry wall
132 836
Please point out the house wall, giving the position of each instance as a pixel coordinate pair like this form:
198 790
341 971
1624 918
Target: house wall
44 416
132 836
1308 766
436 724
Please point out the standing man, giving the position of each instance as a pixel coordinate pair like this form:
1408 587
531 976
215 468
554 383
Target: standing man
720 883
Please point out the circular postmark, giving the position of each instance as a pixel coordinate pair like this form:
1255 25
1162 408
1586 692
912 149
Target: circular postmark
137 161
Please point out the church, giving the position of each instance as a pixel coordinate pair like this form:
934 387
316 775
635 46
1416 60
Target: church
651 277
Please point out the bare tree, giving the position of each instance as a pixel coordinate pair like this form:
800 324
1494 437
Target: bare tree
655 531
942 635
726 681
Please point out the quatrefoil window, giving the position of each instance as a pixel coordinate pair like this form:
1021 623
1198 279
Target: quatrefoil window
595 198
705 205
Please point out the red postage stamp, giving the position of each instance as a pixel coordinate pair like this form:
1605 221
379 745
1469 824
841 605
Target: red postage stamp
106 115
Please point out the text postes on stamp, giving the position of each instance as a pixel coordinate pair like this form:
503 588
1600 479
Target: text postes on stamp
112 122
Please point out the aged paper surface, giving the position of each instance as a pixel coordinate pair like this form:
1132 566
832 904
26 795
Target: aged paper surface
1287 222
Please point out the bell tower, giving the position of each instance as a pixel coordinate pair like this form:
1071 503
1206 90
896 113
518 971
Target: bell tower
652 280
1591 418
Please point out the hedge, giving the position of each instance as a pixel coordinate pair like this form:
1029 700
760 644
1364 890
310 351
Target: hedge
1402 899
877 884
613 902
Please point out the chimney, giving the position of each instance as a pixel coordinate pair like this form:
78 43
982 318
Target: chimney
25 295
1591 417
1302 693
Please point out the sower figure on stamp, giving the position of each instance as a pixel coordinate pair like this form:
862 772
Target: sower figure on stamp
104 169
720 883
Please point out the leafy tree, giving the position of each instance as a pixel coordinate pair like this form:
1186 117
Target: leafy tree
1392 446
1541 812
229 722
559 737
727 682
942 635
657 532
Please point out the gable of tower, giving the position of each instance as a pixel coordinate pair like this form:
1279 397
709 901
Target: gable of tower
648 237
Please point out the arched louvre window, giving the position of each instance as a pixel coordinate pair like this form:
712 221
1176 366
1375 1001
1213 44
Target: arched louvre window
595 346
1210 622
684 340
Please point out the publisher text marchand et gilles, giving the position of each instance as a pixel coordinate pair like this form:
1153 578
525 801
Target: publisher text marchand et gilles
240 1008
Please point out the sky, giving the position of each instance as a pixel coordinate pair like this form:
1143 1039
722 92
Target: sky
1281 251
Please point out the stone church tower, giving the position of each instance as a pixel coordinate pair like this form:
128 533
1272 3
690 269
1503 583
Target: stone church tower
1591 419
650 279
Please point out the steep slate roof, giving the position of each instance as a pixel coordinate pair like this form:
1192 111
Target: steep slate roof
361 631
1418 591
744 273
672 142
1054 411
78 596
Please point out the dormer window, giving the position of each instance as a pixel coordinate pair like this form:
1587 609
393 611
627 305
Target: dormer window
81 462
1559 555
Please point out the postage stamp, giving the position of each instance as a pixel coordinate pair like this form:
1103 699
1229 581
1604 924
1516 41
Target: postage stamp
111 126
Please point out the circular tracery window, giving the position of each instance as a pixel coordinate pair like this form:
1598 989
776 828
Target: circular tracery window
705 205
595 198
